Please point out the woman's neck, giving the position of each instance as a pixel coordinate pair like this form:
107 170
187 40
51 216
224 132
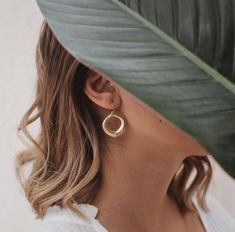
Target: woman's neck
134 187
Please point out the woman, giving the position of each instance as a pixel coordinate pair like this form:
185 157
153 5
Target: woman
105 161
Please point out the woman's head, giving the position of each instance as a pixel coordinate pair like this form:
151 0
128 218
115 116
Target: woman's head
66 158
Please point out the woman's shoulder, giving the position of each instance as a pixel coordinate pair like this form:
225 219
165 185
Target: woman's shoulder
63 220
217 218
57 219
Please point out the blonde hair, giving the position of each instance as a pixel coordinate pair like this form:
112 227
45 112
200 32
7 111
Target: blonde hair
65 157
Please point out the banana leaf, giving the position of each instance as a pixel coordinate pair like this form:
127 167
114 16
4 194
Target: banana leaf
122 40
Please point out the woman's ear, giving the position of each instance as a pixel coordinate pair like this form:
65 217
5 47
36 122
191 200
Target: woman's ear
101 91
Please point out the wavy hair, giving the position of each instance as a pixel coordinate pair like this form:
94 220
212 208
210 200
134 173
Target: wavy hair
64 159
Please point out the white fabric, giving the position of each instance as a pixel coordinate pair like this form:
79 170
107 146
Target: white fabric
62 220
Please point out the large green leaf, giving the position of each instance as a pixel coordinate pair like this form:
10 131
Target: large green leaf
113 39
205 27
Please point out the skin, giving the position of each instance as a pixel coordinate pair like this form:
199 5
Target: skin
137 166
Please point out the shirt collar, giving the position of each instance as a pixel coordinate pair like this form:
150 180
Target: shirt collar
88 209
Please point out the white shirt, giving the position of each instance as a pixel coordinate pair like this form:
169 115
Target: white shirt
63 220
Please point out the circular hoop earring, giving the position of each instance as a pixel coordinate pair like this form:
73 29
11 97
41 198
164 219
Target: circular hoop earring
108 131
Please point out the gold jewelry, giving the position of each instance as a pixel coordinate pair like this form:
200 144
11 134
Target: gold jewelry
108 131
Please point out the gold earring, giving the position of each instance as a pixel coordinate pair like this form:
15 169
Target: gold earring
108 131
